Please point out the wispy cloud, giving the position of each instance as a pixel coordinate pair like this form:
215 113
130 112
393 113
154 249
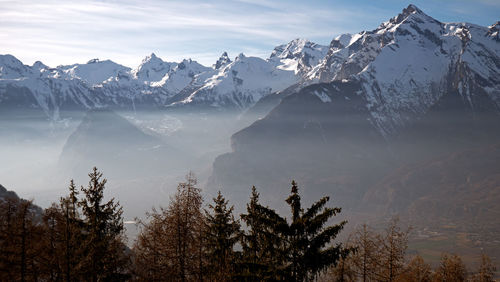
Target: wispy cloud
63 32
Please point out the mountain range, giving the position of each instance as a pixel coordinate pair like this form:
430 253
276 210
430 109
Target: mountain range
408 99
154 83
393 120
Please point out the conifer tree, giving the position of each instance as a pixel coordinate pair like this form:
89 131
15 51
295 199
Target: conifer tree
305 244
104 257
263 256
258 249
307 238
222 233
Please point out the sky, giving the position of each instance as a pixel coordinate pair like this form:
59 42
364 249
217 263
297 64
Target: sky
60 32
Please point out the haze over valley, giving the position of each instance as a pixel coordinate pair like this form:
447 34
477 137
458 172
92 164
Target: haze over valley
401 119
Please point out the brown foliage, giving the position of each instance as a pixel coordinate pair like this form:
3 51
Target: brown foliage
170 244
451 268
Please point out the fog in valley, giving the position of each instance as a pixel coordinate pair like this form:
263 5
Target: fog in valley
142 154
329 149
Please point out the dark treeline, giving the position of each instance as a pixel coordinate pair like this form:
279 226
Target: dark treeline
77 239
81 238
184 242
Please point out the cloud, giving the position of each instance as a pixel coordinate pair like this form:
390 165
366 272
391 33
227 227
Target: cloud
127 29
62 32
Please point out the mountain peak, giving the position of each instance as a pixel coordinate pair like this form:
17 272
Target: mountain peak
341 41
152 68
410 12
39 65
240 57
222 61
151 58
93 61
412 9
288 50
9 60
11 67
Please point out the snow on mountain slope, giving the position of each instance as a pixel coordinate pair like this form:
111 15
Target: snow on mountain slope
41 87
11 68
404 66
156 83
47 94
242 83
94 71
408 62
222 61
299 55
152 69
181 76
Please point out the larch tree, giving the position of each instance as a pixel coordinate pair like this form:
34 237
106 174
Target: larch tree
20 234
451 268
417 270
64 235
171 240
343 271
52 264
73 234
365 257
185 214
392 245
486 271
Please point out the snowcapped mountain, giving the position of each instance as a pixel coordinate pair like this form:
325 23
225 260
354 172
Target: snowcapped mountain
39 87
234 84
408 63
404 67
222 61
405 93
11 68
152 69
299 55
94 71
181 75
241 83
